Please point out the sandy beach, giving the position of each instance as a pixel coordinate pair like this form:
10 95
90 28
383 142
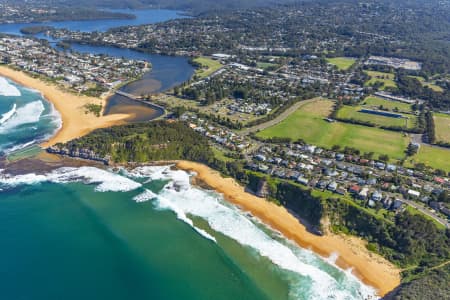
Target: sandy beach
352 253
75 122
371 268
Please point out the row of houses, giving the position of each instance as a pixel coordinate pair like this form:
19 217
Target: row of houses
342 173
78 71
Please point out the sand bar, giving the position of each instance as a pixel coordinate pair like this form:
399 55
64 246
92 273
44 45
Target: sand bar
75 122
371 268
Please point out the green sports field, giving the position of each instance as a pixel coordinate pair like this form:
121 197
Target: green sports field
442 127
209 66
375 102
437 158
308 123
354 112
388 79
342 63
265 65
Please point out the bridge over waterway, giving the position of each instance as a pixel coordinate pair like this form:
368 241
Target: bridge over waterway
140 100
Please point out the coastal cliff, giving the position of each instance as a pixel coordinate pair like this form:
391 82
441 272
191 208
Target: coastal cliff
330 223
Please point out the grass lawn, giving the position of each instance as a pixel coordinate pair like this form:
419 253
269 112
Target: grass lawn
342 63
353 112
388 79
265 65
219 108
442 127
308 123
437 158
219 154
431 85
375 102
209 66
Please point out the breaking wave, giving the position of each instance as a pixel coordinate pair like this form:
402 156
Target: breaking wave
145 196
27 114
7 89
105 181
6 116
310 276
183 199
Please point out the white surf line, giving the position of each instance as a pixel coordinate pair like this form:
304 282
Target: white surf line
7 89
6 116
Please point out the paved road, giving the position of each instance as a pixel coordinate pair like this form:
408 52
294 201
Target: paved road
296 106
427 212
278 119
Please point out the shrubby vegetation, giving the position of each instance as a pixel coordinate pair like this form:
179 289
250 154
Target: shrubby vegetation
410 241
407 239
433 284
145 142
411 87
95 109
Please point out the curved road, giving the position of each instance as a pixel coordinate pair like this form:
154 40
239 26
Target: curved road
426 212
299 104
278 119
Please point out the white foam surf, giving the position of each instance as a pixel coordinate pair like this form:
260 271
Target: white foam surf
6 116
105 181
7 89
145 196
305 270
27 114
19 147
181 198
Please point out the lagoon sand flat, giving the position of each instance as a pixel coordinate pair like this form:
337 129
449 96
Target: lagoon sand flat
75 122
369 267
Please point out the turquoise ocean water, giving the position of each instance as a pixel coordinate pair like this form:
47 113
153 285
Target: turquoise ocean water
86 233
25 117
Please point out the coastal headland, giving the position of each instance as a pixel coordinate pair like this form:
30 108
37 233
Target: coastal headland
75 121
352 253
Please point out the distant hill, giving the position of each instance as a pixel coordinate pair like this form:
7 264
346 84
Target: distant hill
199 6
187 5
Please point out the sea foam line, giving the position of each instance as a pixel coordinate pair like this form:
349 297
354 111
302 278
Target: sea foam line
180 197
105 181
7 89
27 114
6 116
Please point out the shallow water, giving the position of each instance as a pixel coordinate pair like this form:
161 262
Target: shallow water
93 234
25 117
167 71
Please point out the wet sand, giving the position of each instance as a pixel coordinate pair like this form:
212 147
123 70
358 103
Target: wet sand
371 268
75 121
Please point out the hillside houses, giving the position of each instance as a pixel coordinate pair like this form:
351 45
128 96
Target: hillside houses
373 182
76 71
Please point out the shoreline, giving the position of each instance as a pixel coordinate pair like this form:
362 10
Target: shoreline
351 251
75 122
370 268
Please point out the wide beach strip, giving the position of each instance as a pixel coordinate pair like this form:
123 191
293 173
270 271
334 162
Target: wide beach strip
371 268
75 122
